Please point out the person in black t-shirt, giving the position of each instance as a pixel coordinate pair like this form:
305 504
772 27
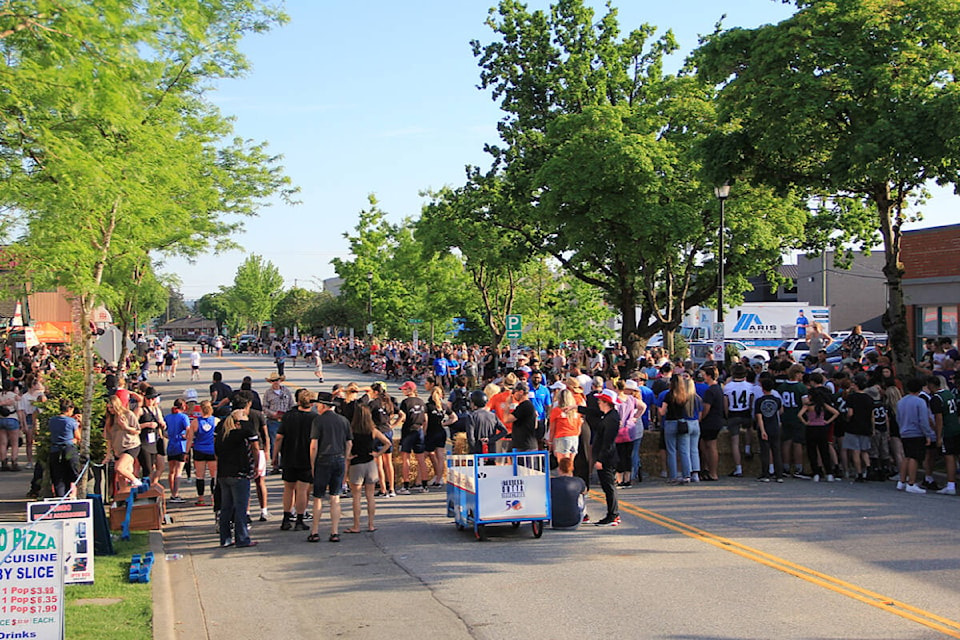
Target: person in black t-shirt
412 434
860 426
234 442
293 445
524 419
767 410
711 423
331 444
567 492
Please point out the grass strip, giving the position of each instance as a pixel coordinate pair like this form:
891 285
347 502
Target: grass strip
132 617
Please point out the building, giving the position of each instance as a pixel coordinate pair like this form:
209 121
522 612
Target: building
189 329
931 283
857 295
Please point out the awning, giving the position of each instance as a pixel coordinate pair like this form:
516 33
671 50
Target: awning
53 332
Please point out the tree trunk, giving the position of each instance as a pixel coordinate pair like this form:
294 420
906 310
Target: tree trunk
87 338
628 331
895 317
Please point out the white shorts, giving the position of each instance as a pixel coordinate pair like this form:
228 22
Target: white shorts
567 445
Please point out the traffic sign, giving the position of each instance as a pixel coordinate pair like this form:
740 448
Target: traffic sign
514 326
718 350
415 321
718 331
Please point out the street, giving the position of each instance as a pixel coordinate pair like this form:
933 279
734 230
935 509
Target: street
734 559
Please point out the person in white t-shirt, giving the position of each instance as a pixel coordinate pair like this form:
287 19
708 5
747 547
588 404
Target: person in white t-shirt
194 364
738 397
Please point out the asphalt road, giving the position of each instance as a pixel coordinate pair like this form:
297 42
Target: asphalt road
734 559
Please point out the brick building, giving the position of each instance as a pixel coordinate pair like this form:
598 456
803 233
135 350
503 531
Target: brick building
931 283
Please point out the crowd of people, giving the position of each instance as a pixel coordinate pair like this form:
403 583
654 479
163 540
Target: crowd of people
589 408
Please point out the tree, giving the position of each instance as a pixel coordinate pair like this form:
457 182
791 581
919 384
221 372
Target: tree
108 147
601 159
853 101
293 310
255 293
455 219
140 295
213 306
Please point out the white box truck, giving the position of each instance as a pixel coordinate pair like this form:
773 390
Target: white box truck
756 324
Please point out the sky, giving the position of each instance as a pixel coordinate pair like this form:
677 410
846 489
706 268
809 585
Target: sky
380 97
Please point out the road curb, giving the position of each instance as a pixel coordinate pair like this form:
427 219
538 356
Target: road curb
162 591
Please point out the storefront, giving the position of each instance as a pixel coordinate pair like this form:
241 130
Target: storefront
931 283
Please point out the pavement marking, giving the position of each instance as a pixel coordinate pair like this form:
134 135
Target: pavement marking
946 626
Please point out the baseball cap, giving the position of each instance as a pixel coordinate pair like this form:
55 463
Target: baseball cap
609 395
556 386
190 394
409 384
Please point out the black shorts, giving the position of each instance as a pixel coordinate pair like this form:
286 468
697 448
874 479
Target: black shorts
411 443
709 434
328 477
435 441
133 453
951 445
915 448
294 474
737 420
199 456
176 457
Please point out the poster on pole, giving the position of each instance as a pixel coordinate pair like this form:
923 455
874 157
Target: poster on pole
77 518
31 580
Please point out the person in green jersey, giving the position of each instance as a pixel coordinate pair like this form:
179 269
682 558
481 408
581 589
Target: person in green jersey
943 405
792 393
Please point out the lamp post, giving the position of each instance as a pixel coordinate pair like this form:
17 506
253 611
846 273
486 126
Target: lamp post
722 192
369 303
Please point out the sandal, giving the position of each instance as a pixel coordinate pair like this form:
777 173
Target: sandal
313 537
351 530
334 537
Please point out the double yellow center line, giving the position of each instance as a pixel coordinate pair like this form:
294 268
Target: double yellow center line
946 626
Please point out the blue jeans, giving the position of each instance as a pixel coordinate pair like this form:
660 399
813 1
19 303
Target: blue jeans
635 457
273 426
235 496
686 444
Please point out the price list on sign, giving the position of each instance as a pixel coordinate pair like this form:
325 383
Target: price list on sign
31 580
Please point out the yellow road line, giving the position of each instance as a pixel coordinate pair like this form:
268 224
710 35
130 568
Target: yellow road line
946 626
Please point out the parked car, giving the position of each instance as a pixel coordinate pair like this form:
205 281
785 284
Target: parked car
205 340
798 349
246 342
700 349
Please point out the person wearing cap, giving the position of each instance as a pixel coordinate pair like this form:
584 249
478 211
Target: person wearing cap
631 410
605 453
331 444
412 433
293 444
276 401
483 426
151 422
523 419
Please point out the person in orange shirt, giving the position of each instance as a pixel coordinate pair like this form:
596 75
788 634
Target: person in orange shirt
565 423
500 403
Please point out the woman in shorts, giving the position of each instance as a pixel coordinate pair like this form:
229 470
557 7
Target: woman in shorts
10 420
35 393
435 438
565 423
201 434
363 464
383 408
178 425
123 442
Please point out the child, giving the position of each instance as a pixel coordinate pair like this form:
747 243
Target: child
767 409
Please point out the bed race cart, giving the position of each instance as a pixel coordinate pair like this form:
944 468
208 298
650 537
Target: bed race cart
499 488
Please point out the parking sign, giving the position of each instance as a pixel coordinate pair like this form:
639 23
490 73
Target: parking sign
514 326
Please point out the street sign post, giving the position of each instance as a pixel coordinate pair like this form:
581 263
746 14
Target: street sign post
514 326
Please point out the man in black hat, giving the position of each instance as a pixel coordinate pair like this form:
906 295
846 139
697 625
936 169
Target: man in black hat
330 443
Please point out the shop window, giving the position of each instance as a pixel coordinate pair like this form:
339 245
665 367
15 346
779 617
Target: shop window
936 322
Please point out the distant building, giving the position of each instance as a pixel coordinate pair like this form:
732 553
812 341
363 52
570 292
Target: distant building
765 291
333 285
931 283
857 295
189 329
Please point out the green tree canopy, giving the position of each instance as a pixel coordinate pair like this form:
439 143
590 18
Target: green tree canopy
853 101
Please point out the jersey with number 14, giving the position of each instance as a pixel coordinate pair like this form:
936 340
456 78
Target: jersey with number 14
739 394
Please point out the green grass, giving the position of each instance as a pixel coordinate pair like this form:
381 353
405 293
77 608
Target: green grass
132 618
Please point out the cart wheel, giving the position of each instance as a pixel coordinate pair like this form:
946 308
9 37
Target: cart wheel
516 525
537 528
480 533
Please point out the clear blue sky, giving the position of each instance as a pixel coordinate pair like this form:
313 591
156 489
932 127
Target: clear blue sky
380 97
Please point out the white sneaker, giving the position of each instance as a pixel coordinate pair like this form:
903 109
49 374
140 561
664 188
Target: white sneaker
947 491
901 485
830 478
816 477
912 488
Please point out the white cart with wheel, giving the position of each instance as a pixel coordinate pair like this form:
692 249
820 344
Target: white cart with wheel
499 488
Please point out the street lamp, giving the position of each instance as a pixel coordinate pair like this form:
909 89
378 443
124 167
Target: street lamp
722 192
369 303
